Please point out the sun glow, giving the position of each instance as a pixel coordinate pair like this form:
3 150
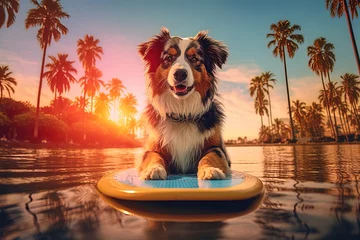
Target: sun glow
114 115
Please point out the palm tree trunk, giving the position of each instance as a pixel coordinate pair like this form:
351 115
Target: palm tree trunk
336 129
327 106
84 103
343 125
331 101
36 127
356 116
346 115
270 106
288 96
352 37
92 97
261 121
55 103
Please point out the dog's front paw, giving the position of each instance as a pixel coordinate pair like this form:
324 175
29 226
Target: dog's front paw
208 173
153 173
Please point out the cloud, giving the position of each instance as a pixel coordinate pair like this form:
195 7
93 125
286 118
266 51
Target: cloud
9 58
27 90
241 119
240 73
306 89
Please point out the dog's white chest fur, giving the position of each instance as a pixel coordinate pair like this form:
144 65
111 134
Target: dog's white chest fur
183 141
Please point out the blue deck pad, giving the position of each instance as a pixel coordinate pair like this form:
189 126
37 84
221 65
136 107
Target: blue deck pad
131 177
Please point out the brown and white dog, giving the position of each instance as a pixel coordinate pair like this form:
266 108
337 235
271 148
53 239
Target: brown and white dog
183 119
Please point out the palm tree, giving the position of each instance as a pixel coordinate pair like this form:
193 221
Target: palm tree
338 7
102 106
314 118
6 81
284 37
93 84
116 88
60 75
281 129
258 88
299 110
332 97
322 60
265 134
351 89
260 108
47 16
81 103
11 7
127 108
339 105
268 79
88 51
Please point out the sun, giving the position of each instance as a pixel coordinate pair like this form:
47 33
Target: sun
114 115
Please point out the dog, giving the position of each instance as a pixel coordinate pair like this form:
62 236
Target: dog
183 118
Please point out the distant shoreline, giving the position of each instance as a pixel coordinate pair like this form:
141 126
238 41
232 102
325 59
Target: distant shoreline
287 144
50 145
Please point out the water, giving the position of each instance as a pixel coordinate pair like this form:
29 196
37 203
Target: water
312 193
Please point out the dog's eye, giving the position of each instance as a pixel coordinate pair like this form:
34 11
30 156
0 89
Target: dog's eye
169 58
194 59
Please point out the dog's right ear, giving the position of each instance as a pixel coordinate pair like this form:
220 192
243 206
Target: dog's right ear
151 51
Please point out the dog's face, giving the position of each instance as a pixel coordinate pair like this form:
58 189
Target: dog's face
181 71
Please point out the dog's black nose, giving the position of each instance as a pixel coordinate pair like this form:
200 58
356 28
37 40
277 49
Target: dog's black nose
180 75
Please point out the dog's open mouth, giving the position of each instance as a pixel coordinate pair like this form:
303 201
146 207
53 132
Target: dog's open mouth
181 90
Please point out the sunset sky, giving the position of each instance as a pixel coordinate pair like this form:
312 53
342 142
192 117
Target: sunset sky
242 25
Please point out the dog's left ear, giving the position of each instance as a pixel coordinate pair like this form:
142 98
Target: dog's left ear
215 51
150 51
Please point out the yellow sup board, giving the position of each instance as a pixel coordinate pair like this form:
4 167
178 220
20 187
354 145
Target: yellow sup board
126 185
185 211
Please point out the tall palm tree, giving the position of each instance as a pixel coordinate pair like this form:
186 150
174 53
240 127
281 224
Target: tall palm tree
59 76
351 89
337 8
321 61
102 105
284 37
11 7
268 79
47 16
6 81
116 88
88 51
258 89
127 107
299 110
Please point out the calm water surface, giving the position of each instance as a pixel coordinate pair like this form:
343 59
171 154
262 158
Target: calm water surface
312 193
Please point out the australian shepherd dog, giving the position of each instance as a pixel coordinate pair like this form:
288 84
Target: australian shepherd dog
183 119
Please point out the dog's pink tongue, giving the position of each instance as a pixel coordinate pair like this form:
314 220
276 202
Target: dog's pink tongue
180 88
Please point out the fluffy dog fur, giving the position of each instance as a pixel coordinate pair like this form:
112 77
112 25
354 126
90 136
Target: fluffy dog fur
183 119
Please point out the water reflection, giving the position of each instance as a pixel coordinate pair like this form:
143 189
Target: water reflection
312 193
